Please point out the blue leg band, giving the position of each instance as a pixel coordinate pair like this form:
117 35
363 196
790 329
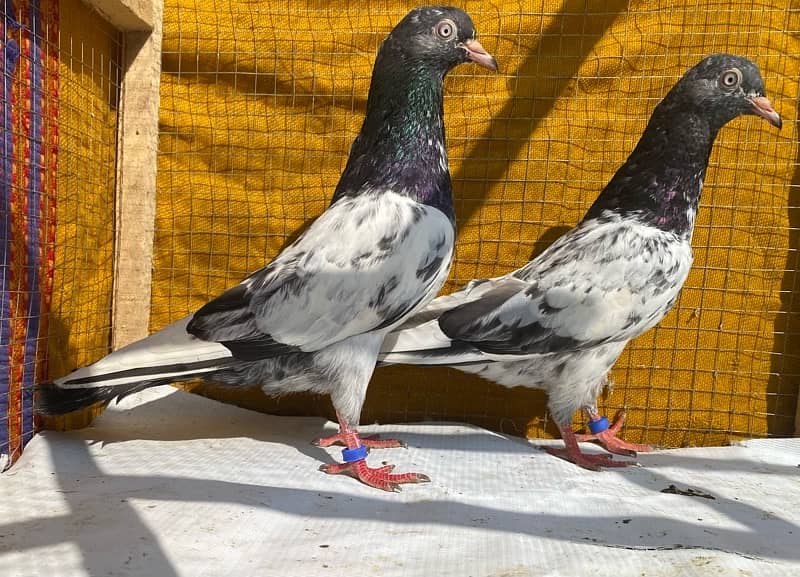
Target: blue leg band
598 426
360 452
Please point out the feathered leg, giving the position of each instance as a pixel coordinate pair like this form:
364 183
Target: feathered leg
347 395
607 437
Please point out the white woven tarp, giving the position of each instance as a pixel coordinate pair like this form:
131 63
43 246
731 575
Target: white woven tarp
169 483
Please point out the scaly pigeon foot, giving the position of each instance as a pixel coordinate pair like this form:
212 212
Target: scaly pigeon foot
572 453
607 438
380 478
373 441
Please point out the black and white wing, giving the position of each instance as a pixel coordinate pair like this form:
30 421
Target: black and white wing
420 340
365 264
606 280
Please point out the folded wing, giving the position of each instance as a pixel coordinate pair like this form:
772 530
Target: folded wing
364 265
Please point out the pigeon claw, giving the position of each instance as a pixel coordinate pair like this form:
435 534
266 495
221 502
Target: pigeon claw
572 452
381 478
610 442
373 442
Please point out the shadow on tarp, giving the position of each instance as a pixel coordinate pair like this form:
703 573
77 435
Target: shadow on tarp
96 531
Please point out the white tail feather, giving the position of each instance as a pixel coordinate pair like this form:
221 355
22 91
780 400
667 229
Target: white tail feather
170 353
427 336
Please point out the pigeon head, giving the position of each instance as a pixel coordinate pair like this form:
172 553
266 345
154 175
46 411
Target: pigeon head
439 37
722 87
662 180
401 145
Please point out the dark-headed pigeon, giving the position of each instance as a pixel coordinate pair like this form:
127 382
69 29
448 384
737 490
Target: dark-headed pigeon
315 317
560 322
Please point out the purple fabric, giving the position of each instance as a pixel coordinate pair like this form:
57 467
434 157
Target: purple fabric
8 63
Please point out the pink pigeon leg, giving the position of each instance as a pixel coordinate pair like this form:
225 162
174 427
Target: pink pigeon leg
572 453
355 464
607 437
345 430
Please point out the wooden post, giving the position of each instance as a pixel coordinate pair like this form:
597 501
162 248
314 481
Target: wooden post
137 148
132 15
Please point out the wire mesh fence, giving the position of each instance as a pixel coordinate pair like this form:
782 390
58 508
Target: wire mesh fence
61 78
260 102
90 76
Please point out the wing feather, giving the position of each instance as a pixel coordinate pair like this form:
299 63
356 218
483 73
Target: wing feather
603 281
364 265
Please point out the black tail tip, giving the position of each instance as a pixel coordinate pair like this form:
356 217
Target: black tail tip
54 400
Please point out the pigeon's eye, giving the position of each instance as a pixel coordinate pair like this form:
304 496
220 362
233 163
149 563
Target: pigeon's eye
445 29
730 78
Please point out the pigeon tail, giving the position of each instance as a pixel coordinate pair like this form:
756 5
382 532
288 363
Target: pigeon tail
54 400
164 357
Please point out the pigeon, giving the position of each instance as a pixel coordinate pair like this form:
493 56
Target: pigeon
314 318
560 322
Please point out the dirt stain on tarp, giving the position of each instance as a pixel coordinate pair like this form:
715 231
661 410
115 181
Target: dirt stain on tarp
689 492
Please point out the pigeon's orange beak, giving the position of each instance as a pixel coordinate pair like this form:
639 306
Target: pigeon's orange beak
478 54
763 107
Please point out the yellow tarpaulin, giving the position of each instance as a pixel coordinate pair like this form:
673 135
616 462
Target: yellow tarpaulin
260 102
79 327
